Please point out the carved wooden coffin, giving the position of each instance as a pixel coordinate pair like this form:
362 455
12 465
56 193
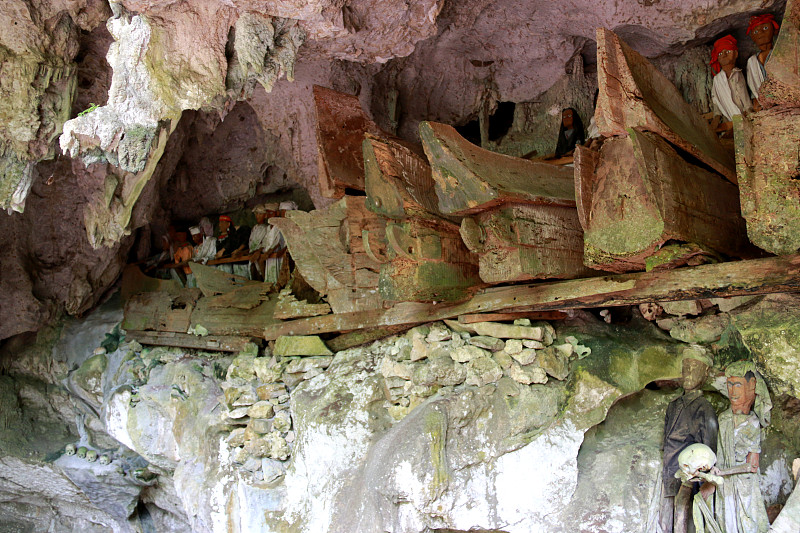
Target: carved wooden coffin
519 242
637 193
341 125
782 86
768 164
523 223
470 179
426 258
427 262
633 93
334 248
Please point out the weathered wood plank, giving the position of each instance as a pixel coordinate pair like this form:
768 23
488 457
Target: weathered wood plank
352 339
212 343
518 242
633 93
768 163
232 321
782 86
213 281
470 179
508 316
341 125
398 180
160 311
135 282
738 278
642 193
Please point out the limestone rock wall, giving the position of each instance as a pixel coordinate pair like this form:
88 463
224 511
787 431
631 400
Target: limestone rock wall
501 427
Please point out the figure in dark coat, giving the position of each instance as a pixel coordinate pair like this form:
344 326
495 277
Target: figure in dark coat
570 134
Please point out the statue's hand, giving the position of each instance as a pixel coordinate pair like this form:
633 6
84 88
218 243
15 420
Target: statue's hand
707 489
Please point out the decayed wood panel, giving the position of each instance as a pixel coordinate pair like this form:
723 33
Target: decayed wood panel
470 179
644 194
328 248
738 278
160 311
398 180
768 163
213 343
633 93
232 321
782 86
341 125
521 242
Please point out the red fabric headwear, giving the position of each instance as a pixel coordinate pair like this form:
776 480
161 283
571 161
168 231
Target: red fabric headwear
726 43
758 20
225 217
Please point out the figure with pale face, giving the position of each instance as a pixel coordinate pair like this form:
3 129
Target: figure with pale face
761 30
739 505
690 419
729 90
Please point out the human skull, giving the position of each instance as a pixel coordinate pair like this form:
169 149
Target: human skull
696 458
91 456
81 452
105 459
70 449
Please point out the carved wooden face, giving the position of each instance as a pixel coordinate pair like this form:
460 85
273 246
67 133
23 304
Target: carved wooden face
567 119
694 373
727 57
223 226
763 33
742 394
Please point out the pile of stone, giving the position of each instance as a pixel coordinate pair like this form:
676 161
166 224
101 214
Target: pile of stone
436 358
256 402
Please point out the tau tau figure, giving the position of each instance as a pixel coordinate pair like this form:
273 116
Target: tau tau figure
739 505
570 134
762 30
729 89
690 419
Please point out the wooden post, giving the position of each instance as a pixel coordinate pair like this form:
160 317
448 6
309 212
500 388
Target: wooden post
633 93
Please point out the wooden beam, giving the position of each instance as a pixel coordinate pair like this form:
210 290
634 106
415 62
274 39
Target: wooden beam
633 93
739 278
211 343
504 317
470 179
358 337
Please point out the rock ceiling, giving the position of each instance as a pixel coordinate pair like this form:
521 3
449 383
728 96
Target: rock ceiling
197 106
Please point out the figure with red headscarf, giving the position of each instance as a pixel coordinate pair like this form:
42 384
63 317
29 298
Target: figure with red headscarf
729 89
762 30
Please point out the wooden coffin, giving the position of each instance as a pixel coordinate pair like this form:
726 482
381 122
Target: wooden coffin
337 251
426 259
768 164
427 262
637 193
523 223
341 125
633 93
782 86
517 242
470 179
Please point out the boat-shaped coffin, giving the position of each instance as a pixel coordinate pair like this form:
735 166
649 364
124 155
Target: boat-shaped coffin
637 193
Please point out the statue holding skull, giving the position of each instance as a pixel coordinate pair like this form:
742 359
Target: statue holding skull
690 419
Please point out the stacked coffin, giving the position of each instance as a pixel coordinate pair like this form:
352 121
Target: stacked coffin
661 189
